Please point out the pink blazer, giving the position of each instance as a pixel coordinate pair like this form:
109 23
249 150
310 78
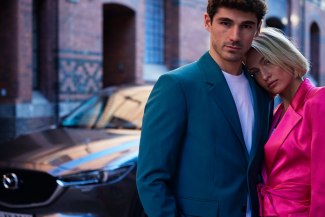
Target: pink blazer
294 169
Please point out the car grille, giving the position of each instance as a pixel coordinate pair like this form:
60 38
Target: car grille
25 188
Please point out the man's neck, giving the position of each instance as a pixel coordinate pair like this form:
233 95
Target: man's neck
231 67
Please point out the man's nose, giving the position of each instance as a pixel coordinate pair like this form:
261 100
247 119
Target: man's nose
234 34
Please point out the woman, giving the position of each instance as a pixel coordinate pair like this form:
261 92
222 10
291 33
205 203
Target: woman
293 171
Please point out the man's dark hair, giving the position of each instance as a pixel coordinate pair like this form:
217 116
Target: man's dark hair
258 7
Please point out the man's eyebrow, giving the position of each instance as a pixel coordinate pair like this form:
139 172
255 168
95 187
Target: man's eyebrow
249 22
225 19
246 22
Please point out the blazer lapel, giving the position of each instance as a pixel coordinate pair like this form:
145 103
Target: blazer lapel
258 116
277 138
221 95
287 123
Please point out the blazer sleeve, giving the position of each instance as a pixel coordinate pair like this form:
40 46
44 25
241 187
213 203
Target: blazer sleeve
163 128
317 117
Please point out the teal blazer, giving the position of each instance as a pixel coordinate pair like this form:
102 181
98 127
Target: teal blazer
193 159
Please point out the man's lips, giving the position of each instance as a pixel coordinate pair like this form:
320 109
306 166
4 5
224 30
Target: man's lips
232 47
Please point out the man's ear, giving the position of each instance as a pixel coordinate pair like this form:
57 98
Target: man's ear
207 21
259 28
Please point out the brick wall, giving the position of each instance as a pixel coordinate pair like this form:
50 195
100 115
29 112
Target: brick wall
75 60
194 38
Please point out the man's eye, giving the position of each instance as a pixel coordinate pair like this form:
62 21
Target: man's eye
225 23
247 26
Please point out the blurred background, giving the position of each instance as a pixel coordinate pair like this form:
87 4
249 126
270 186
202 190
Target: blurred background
56 53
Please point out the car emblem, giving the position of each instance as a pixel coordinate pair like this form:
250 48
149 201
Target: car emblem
10 181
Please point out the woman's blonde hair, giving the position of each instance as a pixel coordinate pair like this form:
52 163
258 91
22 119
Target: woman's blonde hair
279 50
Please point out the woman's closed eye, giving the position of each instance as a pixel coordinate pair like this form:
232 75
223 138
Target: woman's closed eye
266 62
254 72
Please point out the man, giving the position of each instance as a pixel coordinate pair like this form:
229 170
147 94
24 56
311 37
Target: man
205 125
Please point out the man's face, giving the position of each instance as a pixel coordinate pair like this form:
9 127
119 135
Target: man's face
231 34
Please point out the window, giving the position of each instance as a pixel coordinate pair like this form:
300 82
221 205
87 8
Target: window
154 33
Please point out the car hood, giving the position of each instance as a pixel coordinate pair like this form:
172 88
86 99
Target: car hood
64 151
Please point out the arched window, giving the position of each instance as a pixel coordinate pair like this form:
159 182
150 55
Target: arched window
119 35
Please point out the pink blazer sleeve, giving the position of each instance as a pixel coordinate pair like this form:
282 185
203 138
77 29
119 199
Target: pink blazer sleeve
317 124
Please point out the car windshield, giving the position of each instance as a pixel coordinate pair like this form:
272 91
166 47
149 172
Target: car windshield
121 109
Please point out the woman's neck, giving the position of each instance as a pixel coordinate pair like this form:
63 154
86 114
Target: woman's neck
288 94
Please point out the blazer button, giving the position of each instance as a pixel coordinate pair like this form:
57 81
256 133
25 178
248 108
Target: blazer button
243 209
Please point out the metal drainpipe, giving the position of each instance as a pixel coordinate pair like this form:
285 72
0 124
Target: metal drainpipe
302 25
289 11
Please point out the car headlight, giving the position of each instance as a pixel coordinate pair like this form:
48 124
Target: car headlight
95 177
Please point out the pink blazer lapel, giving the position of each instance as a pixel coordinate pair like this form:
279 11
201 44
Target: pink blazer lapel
280 133
286 125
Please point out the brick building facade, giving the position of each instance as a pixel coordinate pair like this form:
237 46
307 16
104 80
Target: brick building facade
55 53
303 21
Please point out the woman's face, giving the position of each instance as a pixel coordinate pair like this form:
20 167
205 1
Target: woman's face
271 77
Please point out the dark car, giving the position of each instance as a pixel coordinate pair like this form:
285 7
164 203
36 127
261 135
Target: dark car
83 167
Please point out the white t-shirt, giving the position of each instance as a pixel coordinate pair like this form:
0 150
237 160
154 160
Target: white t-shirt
242 95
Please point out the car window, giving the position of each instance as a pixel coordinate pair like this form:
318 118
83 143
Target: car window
85 116
122 109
